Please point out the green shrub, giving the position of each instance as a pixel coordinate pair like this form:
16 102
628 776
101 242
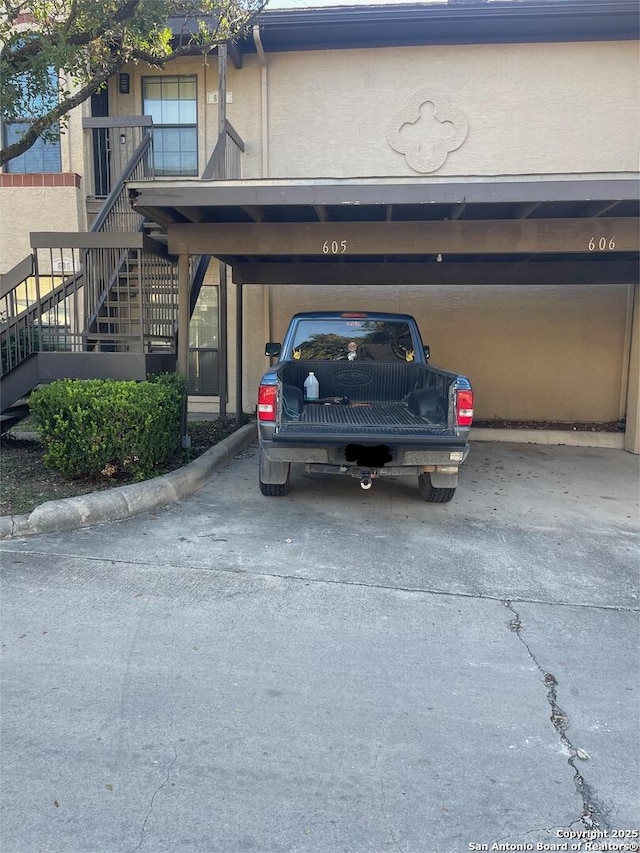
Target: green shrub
103 427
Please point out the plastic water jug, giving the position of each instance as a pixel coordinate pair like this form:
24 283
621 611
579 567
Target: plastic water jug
311 388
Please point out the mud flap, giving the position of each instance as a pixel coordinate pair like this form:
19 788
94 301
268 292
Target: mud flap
273 472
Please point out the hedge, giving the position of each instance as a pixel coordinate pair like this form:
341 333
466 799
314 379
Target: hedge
93 427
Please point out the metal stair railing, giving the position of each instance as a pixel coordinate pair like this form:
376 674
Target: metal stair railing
36 318
224 163
53 302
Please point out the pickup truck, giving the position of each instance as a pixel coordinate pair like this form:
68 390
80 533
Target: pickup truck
381 410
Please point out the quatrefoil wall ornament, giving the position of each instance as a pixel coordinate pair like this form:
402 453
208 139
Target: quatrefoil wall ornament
424 148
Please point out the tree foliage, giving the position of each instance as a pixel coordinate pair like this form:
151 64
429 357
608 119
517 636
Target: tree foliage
84 42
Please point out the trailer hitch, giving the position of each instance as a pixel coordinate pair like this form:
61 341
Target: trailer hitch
366 480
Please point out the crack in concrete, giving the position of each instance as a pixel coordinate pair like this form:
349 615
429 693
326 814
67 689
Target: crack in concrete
233 570
153 796
384 799
593 813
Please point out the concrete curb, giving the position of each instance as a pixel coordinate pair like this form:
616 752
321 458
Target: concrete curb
570 438
125 501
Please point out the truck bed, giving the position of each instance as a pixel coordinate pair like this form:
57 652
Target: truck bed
368 418
382 403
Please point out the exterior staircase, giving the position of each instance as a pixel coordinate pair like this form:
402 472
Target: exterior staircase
103 304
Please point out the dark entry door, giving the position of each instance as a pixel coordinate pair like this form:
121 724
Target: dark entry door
101 148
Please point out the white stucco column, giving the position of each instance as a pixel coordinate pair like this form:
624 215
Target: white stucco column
632 434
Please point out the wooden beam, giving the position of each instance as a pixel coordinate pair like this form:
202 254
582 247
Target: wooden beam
345 239
194 214
256 214
600 209
525 210
408 273
86 239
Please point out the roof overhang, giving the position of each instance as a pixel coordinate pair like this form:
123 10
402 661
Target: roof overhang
455 22
411 24
503 222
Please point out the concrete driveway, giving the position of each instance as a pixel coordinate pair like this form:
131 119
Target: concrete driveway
336 670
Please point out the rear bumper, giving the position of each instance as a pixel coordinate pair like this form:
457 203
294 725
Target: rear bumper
315 436
449 455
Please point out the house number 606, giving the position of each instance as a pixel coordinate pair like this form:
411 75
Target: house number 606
333 247
601 245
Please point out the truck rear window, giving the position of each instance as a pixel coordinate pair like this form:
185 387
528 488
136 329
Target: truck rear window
353 340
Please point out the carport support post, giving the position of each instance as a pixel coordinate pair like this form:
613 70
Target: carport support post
182 360
222 338
632 433
239 318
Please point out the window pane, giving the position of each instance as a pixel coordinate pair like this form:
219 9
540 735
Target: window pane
172 101
188 138
203 329
176 150
152 88
168 139
187 112
170 112
188 163
172 163
43 156
170 90
188 89
153 108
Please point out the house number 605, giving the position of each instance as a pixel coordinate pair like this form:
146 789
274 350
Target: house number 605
601 245
333 247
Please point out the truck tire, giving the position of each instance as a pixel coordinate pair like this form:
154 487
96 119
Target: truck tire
430 493
274 490
274 471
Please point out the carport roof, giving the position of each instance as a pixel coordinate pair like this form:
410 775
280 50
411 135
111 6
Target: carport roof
168 201
242 208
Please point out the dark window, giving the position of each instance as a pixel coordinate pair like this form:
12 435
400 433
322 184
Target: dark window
44 154
172 103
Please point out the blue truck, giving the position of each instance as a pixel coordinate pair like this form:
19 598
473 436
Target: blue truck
374 406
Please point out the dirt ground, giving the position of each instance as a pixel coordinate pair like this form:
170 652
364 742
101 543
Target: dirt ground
26 482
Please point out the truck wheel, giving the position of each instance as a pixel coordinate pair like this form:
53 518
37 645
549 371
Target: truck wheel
274 471
431 494
274 490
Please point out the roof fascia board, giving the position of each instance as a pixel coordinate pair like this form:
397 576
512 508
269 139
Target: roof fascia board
218 194
481 22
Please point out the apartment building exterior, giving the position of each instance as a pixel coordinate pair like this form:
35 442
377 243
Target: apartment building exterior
473 164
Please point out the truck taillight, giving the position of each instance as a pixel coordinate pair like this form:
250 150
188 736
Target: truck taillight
464 407
267 395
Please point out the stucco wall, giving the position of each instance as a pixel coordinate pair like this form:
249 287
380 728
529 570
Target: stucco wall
540 353
26 209
528 109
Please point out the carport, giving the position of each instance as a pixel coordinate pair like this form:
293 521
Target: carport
513 231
